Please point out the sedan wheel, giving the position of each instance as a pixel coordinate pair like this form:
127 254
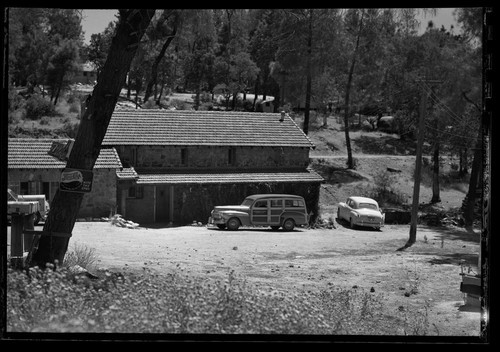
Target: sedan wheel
233 224
288 225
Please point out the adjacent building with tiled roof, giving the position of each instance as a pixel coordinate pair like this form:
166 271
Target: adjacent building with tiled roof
31 170
179 164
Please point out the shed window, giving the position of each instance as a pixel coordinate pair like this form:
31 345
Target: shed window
135 192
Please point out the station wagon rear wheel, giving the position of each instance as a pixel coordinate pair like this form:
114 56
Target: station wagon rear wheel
288 225
233 224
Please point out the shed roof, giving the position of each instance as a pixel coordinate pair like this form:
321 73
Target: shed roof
226 177
216 128
31 153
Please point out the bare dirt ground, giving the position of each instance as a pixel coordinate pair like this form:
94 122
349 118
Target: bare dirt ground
424 280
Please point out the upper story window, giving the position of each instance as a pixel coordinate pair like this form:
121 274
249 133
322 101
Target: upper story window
231 156
133 156
184 156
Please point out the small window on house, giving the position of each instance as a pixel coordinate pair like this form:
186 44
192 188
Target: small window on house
231 156
184 156
134 156
135 192
24 189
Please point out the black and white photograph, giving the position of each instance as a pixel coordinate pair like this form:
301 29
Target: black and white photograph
270 175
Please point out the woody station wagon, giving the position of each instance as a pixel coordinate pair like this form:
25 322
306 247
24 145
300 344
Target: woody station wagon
275 210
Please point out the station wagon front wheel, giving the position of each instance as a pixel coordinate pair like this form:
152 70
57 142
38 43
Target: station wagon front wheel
233 224
288 225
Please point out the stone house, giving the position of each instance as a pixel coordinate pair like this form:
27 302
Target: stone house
31 170
178 164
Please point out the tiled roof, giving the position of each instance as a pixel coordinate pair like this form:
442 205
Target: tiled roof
127 173
189 127
237 177
31 153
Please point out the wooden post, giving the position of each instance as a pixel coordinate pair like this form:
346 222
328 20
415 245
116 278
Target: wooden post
418 171
171 204
28 224
16 241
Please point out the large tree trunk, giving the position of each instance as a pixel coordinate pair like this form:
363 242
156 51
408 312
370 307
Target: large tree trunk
156 63
309 76
435 175
350 161
93 126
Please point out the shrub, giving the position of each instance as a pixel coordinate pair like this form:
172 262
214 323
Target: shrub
81 255
179 104
45 120
206 106
69 129
384 190
75 107
37 106
57 301
15 101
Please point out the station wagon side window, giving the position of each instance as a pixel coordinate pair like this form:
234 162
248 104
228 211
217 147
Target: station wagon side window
293 203
276 203
260 204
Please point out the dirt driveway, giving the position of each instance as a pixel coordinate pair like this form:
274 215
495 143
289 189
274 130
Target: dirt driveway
423 280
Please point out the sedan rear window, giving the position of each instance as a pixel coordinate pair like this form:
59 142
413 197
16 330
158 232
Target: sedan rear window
367 206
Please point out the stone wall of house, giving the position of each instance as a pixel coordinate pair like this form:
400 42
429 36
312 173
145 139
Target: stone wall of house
102 199
96 203
141 210
151 157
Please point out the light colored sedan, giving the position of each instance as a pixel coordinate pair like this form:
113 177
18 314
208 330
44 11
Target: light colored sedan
361 211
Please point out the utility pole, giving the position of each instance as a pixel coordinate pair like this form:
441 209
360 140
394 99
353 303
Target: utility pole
418 165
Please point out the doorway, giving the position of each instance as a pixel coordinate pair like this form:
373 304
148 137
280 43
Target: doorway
164 203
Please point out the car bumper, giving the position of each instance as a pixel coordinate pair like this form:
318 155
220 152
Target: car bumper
216 221
369 223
